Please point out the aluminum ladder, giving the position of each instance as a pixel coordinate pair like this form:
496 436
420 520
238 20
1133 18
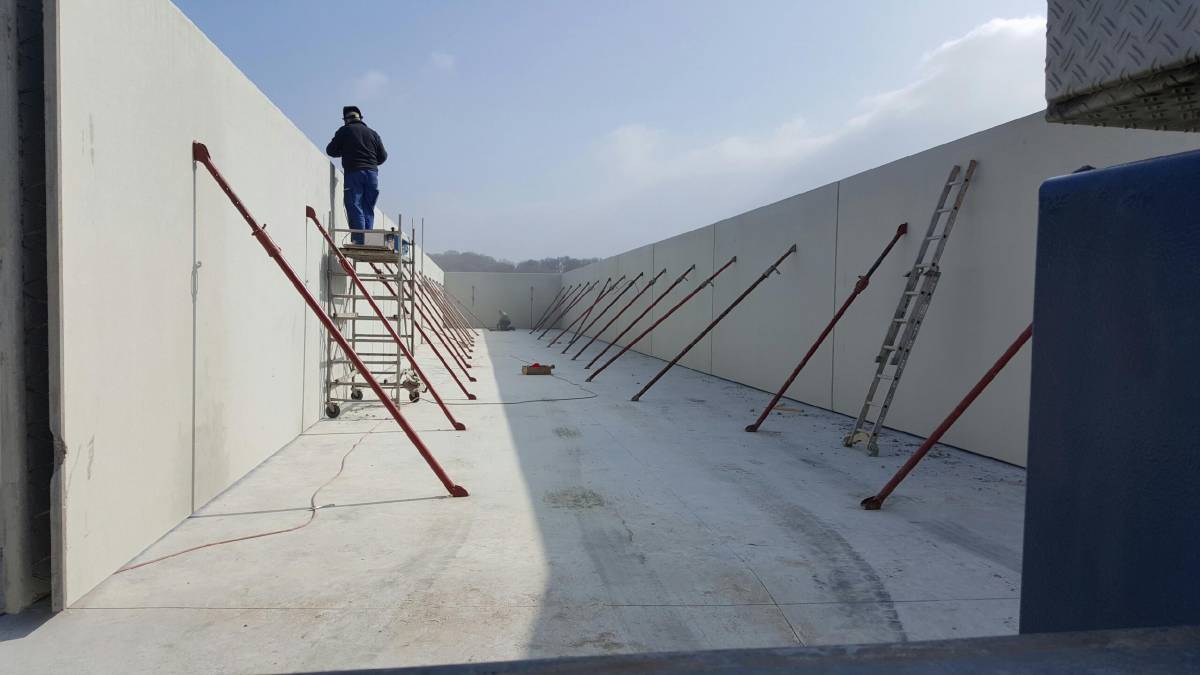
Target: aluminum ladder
910 312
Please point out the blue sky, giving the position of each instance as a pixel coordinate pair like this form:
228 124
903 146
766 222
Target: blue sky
530 129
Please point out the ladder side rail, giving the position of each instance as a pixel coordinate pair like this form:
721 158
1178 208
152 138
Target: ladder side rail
952 216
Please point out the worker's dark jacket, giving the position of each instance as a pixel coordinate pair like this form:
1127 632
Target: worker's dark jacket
359 147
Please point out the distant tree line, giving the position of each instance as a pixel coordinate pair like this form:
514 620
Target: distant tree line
466 261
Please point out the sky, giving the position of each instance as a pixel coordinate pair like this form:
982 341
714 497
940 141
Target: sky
528 129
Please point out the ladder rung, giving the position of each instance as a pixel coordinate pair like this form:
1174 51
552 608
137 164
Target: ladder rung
899 320
354 296
948 209
371 340
341 382
935 237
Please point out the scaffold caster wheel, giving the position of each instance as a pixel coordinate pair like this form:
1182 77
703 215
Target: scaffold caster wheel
332 410
414 396
356 394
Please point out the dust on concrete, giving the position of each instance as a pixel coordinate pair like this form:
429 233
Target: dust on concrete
605 641
574 498
566 432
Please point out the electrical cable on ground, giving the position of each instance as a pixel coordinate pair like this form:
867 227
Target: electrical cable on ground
312 515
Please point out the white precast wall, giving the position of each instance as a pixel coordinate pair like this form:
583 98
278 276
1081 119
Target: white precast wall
524 296
984 300
168 386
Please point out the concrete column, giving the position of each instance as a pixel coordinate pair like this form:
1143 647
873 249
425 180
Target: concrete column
25 448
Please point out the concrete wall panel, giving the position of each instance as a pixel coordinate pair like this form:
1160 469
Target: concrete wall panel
623 273
523 296
632 263
607 270
161 403
766 335
678 253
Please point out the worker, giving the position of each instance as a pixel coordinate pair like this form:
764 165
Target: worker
504 323
362 152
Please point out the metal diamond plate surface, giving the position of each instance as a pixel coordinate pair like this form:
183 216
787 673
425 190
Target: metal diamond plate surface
1133 63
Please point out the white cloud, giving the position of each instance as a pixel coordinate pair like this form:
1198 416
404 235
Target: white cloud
646 184
370 85
442 61
986 77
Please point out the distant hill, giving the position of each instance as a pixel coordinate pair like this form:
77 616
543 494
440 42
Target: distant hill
466 261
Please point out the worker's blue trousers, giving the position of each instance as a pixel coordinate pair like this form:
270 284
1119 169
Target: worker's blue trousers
361 191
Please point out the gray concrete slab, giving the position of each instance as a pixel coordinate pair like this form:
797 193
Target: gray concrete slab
595 525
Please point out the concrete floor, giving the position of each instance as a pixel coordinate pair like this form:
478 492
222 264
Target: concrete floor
595 525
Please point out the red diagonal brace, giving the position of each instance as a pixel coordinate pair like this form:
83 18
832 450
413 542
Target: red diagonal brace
564 294
463 311
426 311
420 299
859 287
639 317
425 337
619 313
564 306
875 502
456 309
664 317
200 154
449 321
583 331
549 307
763 277
588 312
588 288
